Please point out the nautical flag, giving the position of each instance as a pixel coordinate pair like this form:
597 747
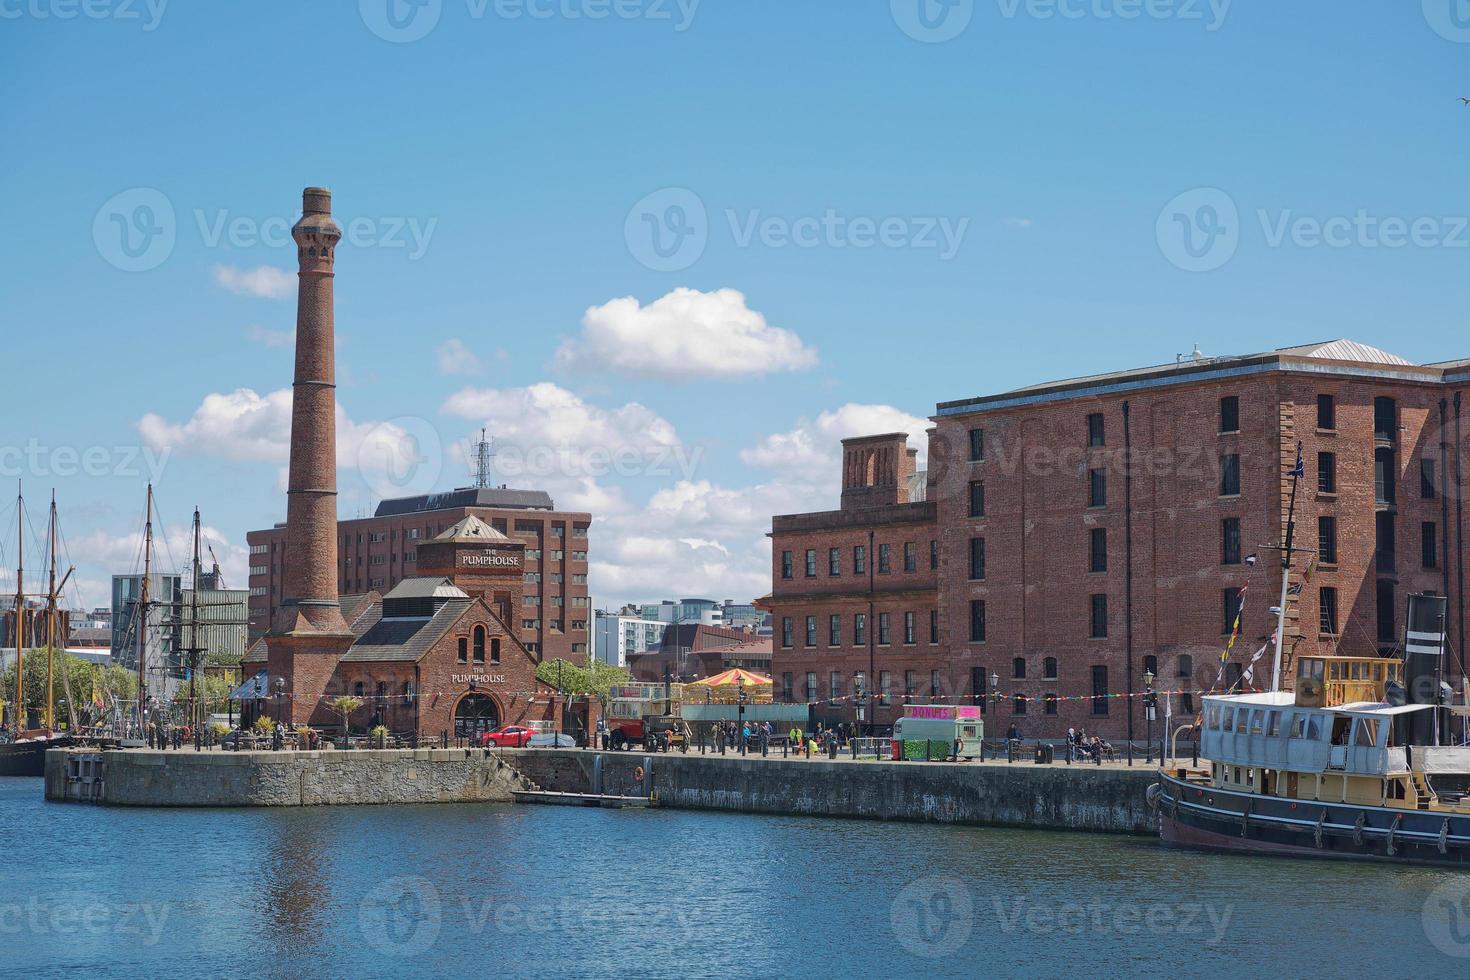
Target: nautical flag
1295 589
1299 470
1311 567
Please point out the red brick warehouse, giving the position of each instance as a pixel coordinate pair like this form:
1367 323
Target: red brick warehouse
1094 530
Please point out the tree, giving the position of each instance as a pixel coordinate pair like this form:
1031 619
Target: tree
115 683
345 706
596 679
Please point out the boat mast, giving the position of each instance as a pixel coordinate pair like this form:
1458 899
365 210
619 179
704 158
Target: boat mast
51 620
20 619
141 618
1296 475
195 717
53 598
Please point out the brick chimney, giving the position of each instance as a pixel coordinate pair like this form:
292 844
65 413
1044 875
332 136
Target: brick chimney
310 637
876 470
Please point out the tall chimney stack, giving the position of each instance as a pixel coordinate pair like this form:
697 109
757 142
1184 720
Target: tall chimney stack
305 644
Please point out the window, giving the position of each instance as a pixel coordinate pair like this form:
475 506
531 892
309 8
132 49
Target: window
1383 475
1186 665
495 649
1386 631
977 498
834 685
1229 609
786 632
934 554
859 559
934 626
977 620
1097 488
977 445
464 649
1327 610
1098 624
1427 482
834 561
1327 473
934 685
885 683
1018 704
977 558
1230 475
909 628
1049 668
1099 690
910 556
788 691
479 644
1230 414
811 685
357 688
1326 413
811 563
859 629
1151 665
1018 669
1230 541
786 564
811 631
883 629
885 559
1327 539
910 683
977 687
1428 545
834 630
1095 430
1385 419
1049 704
1387 558
1097 547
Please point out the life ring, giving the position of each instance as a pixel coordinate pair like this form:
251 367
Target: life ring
638 774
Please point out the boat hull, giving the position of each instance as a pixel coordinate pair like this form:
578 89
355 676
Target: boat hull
1204 817
28 757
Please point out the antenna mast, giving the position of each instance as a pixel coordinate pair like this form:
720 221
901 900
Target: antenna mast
483 453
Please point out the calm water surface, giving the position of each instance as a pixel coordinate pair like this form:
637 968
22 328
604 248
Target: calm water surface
550 892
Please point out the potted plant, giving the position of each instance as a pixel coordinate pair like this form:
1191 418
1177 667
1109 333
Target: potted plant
345 706
379 737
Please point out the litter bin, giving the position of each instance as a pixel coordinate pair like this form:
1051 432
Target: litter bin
1045 754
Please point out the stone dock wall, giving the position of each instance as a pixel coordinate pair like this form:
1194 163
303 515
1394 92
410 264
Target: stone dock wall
1107 799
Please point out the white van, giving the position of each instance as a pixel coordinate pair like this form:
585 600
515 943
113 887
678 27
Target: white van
945 723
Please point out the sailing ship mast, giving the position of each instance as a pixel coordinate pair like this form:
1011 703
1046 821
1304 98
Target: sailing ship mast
196 717
141 618
52 596
1296 475
20 619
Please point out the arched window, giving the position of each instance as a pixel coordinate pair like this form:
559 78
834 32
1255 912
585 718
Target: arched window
479 644
495 649
1151 665
1020 703
1018 668
357 689
1186 665
464 649
1049 668
1050 704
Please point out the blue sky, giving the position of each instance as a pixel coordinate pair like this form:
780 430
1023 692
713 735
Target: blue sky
902 220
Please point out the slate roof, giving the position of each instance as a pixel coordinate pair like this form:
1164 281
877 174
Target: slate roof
467 497
401 640
426 588
470 528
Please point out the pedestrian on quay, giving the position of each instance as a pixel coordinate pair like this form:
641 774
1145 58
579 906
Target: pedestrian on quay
1071 743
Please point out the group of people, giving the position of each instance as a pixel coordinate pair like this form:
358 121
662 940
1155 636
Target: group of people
1081 747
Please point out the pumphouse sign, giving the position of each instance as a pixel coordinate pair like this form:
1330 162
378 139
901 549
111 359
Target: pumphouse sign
490 561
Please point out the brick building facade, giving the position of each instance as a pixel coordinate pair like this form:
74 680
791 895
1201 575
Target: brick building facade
853 594
1094 530
376 553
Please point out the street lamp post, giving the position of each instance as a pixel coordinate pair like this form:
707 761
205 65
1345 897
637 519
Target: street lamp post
1148 715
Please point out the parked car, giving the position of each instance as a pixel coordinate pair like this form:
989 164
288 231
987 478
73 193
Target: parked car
507 737
552 740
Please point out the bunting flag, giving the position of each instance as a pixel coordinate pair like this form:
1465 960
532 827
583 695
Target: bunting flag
96 691
1311 567
1249 674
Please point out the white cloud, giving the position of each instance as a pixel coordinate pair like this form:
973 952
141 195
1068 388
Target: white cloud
455 358
266 337
173 548
263 281
1019 223
816 446
684 334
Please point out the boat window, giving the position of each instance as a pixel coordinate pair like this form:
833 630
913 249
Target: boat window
1241 717
1273 724
1367 732
1298 725
1340 730
1229 720
1256 720
1314 727
1215 716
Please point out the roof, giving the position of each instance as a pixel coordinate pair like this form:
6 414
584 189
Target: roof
401 639
1342 352
426 588
501 497
470 528
1377 708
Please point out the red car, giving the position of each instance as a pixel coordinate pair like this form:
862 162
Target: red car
507 737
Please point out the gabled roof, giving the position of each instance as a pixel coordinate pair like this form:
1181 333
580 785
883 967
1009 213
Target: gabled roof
1345 350
426 588
470 528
